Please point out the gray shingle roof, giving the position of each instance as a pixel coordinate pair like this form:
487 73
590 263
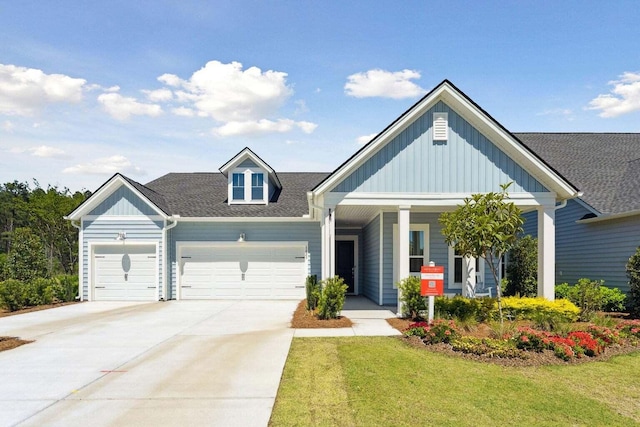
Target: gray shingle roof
604 166
205 195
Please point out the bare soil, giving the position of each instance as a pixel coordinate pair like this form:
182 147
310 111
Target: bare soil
483 330
303 319
7 343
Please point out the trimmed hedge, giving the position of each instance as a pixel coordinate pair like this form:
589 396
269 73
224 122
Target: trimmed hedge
16 295
531 308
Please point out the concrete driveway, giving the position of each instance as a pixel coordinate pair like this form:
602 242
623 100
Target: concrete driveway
157 364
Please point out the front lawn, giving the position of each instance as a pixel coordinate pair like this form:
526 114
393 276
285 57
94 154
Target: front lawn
381 381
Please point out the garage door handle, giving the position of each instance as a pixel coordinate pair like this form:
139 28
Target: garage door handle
300 286
100 287
186 286
300 257
151 287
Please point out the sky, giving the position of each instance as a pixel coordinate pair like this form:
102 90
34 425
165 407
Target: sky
144 88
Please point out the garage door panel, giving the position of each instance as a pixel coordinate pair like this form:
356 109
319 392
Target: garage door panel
125 273
269 272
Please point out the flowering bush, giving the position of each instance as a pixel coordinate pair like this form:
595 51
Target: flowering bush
488 347
441 331
418 329
533 340
604 335
630 328
575 344
585 342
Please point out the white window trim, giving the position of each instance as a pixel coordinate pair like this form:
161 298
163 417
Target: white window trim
248 171
412 227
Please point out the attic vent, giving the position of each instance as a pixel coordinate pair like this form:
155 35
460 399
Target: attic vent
440 126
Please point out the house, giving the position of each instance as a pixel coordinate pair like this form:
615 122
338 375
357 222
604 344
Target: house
249 231
597 232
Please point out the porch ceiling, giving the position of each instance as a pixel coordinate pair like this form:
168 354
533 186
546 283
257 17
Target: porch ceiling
355 216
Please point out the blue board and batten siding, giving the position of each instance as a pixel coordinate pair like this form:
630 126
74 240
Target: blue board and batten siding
123 202
371 257
466 163
595 250
254 232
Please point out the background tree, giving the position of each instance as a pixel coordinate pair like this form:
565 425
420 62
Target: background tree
522 269
26 260
633 273
485 226
14 198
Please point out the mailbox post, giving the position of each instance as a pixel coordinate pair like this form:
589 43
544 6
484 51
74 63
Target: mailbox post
431 284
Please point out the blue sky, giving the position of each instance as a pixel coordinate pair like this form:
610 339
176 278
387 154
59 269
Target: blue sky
150 87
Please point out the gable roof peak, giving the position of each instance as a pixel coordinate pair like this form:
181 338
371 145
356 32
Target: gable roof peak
247 153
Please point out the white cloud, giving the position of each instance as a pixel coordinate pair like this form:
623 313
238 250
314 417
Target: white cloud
158 95
227 93
184 112
8 126
121 107
47 151
623 99
262 126
23 90
105 166
385 84
365 138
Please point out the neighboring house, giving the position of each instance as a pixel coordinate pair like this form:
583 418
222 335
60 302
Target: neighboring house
598 232
252 232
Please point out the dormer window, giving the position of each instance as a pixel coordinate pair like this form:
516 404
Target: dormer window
238 186
250 180
257 186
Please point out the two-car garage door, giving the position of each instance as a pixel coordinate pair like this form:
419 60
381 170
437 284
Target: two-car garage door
242 271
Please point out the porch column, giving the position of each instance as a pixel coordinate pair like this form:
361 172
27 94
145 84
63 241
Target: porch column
328 242
546 252
403 246
469 277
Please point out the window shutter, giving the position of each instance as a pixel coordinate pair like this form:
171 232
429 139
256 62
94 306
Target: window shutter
440 126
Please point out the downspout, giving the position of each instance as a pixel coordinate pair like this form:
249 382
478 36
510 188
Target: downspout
80 248
166 228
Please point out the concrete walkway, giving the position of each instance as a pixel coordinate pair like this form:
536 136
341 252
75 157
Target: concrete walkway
368 320
178 363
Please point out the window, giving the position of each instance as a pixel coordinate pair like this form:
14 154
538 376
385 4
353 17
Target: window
416 250
238 186
257 186
457 267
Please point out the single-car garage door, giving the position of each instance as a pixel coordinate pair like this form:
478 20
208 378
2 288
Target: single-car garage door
241 271
125 273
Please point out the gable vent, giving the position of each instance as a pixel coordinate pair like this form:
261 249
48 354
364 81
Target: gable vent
440 126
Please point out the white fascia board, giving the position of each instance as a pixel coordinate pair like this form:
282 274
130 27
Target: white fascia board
429 199
124 218
247 219
509 145
609 217
105 191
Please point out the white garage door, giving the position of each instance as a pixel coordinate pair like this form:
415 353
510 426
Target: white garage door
125 273
242 272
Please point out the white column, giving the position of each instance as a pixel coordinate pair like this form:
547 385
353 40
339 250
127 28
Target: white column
404 227
546 252
469 277
328 242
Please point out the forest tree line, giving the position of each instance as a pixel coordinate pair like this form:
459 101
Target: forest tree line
33 229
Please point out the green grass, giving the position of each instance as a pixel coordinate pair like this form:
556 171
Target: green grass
377 381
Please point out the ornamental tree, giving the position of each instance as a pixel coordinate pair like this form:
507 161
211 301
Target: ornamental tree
485 226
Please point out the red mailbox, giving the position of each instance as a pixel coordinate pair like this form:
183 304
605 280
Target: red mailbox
431 281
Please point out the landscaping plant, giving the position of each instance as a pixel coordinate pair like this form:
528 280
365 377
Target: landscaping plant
633 273
592 296
485 226
332 298
522 269
313 290
412 302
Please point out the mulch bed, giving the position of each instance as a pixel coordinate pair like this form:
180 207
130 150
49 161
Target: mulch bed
7 343
5 313
303 319
547 357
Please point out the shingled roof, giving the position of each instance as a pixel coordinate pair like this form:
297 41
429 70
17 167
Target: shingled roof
205 195
604 166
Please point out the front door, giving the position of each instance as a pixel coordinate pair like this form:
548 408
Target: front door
345 263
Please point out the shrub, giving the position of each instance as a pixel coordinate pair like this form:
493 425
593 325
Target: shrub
26 260
441 331
528 308
465 309
412 302
418 329
488 347
39 292
313 290
65 288
629 328
3 263
633 273
332 298
522 269
591 296
12 295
